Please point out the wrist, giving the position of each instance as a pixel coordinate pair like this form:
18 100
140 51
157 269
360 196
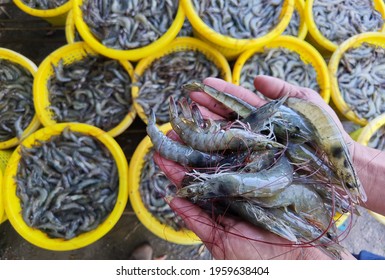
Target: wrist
370 166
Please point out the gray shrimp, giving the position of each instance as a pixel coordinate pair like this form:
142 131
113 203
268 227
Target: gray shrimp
264 183
219 140
64 190
258 16
281 63
16 102
130 24
44 4
361 80
340 20
329 138
178 152
94 90
165 77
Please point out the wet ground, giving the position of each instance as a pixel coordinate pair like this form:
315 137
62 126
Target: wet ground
36 39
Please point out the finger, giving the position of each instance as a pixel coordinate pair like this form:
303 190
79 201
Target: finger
238 91
217 107
174 172
195 218
211 104
275 88
207 114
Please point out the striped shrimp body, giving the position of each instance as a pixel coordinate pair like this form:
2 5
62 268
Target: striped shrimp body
305 232
220 140
253 213
176 151
239 106
305 201
306 157
329 138
265 183
287 123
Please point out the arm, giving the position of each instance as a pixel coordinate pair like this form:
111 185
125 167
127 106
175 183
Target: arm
370 166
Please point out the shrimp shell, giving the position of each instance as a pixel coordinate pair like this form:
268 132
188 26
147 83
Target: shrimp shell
265 183
329 138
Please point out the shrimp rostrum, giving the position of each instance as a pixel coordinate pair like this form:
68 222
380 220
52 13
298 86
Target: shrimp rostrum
284 166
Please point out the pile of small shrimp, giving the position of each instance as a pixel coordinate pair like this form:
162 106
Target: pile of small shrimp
284 166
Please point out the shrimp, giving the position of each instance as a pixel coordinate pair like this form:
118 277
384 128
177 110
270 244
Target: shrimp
239 106
305 201
176 151
307 233
219 140
304 155
329 138
259 160
265 183
287 123
261 217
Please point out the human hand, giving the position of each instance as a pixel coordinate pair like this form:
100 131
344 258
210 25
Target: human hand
225 237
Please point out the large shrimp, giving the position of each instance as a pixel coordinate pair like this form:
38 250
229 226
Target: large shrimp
265 183
305 157
176 151
307 233
220 140
305 201
287 123
330 139
239 106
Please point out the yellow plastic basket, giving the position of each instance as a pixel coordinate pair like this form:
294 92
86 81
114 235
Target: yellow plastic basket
12 202
1 197
375 38
4 157
299 6
364 137
228 46
32 68
70 29
183 236
307 53
134 54
69 53
180 44
316 34
56 17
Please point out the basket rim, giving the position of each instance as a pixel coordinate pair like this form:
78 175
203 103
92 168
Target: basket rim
291 43
41 93
319 37
44 13
228 42
370 37
26 63
183 237
12 202
132 54
188 43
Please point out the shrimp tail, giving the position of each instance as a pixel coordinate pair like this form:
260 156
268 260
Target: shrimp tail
258 216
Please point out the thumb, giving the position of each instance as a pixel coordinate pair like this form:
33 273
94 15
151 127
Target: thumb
275 88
